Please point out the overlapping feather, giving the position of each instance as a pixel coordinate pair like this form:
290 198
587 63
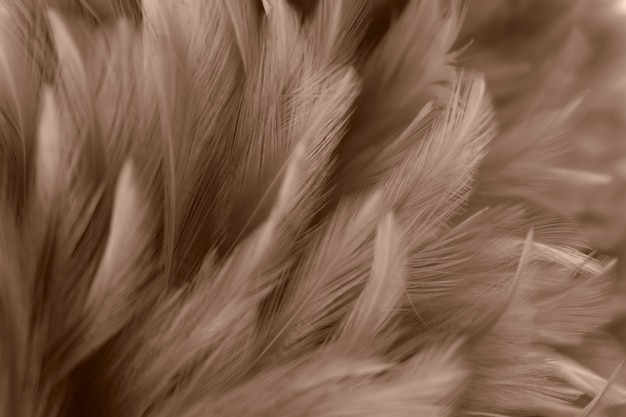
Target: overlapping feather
241 208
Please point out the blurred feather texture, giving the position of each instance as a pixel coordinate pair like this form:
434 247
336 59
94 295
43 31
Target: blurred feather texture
308 208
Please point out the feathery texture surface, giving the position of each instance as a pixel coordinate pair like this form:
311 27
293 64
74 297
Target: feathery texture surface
307 208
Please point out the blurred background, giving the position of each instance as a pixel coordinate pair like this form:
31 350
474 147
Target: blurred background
552 54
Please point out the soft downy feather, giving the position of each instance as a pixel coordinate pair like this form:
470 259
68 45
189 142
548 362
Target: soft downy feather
246 208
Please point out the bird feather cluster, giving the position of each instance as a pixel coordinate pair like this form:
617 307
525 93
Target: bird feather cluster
240 208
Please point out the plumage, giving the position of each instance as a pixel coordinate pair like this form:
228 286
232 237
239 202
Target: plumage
308 208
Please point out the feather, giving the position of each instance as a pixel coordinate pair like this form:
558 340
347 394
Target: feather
465 120
163 44
195 138
75 92
306 207
589 382
21 77
15 320
520 381
242 281
104 10
411 54
336 30
328 276
593 405
348 386
114 295
600 352
521 157
260 117
380 297
565 318
245 24
113 63
49 152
